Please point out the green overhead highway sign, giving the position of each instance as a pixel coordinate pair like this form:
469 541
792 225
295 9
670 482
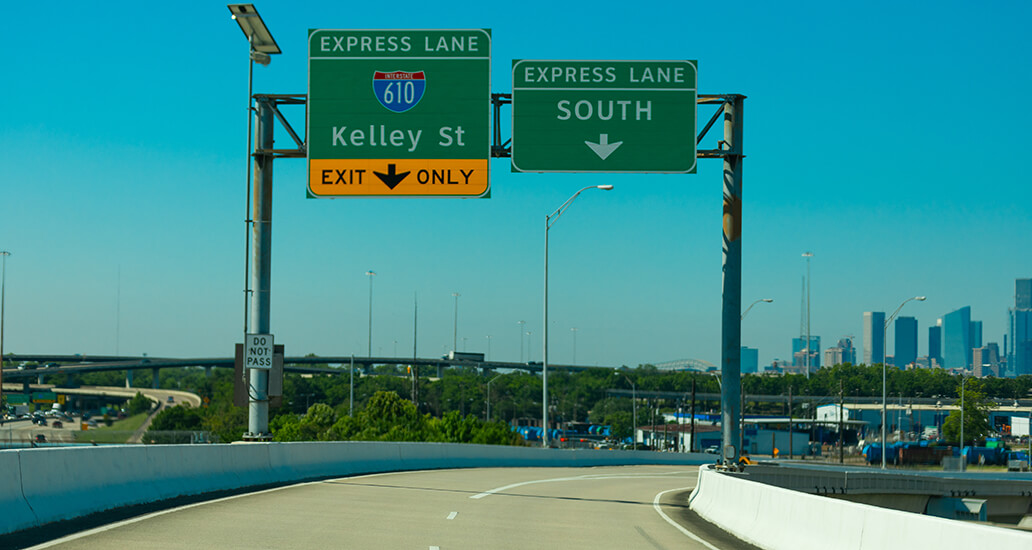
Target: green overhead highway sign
399 113
603 116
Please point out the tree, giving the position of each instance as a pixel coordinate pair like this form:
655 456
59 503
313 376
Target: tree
976 418
139 404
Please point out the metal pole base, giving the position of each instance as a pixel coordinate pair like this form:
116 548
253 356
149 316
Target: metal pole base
257 438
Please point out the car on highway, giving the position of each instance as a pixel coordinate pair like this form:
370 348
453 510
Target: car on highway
171 399
57 424
713 450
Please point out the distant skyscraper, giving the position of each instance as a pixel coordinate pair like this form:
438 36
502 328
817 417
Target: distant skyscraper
840 354
957 339
1019 354
935 342
1023 294
874 337
986 360
976 334
750 360
906 341
799 356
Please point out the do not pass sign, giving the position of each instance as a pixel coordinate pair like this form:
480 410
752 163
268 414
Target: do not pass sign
258 351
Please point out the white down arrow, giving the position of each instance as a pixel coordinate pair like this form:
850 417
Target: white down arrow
603 148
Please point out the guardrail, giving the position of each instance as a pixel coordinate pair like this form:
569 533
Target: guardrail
782 519
41 486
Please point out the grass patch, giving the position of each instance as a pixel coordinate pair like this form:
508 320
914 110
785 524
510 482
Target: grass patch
119 432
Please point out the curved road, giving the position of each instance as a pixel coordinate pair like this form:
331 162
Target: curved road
23 431
501 508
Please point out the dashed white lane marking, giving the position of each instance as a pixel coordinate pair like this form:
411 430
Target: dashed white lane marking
435 548
689 534
452 515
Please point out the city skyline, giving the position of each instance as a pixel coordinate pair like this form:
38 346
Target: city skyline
124 180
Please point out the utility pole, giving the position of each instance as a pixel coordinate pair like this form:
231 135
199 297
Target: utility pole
841 425
790 423
415 367
692 443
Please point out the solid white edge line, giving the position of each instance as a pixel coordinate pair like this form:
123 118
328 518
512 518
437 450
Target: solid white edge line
587 477
689 534
144 517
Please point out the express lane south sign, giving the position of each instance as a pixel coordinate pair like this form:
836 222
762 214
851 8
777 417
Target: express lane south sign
603 116
399 113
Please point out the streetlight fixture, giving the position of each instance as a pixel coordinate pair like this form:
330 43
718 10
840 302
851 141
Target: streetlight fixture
3 289
634 412
806 361
369 349
489 393
574 331
765 300
549 222
884 408
529 343
521 323
455 332
261 45
962 382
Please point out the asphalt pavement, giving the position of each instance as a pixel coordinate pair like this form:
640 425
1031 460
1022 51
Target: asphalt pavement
504 508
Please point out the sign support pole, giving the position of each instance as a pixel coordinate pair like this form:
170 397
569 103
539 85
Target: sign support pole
261 269
731 333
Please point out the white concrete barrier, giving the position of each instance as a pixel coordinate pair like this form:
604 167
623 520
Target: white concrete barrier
41 486
15 513
781 519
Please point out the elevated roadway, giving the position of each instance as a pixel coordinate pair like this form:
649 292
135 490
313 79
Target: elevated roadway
503 508
77 364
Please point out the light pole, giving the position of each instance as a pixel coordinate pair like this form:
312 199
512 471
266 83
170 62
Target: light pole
884 409
258 221
3 289
574 331
455 332
806 362
962 381
634 412
489 394
369 350
488 347
765 300
549 222
521 323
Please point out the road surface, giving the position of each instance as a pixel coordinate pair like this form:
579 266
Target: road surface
498 508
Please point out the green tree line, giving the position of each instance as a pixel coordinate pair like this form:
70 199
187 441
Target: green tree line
573 396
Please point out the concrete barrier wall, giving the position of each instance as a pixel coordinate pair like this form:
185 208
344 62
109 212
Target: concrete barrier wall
44 485
781 519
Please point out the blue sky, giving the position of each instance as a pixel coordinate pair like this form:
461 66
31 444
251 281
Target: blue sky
889 139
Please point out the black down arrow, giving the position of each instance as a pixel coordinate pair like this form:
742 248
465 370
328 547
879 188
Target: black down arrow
391 179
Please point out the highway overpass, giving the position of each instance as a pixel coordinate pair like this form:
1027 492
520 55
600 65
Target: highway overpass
78 364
